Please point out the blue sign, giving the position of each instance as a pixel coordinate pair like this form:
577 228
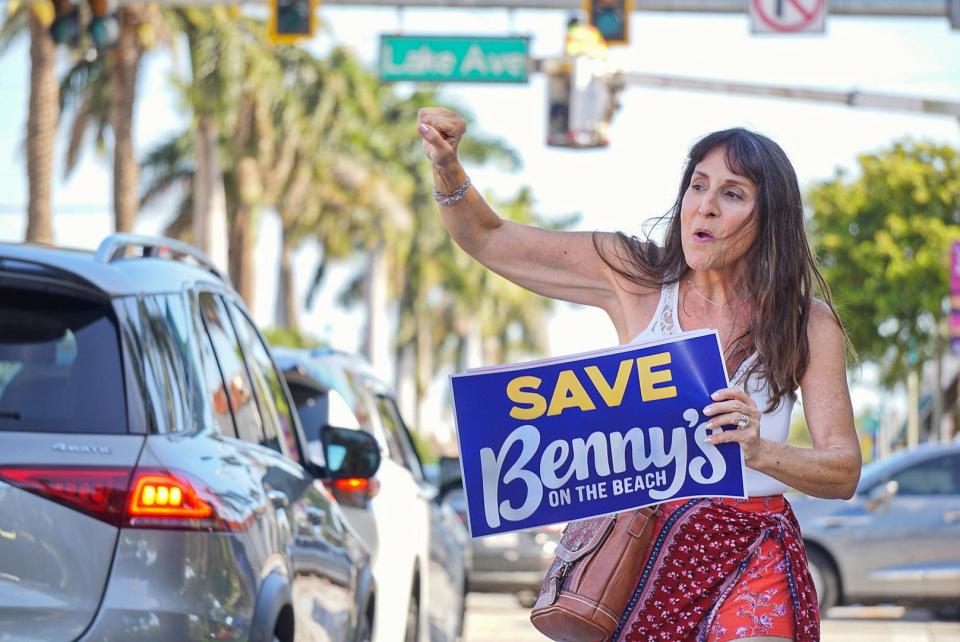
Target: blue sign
597 433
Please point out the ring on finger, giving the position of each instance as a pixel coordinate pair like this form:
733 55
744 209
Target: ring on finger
744 422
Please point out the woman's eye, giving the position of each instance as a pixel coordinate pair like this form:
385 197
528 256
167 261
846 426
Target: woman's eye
733 195
696 187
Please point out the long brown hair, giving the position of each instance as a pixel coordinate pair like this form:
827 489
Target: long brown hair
783 266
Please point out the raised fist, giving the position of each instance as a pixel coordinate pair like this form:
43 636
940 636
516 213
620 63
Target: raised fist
441 130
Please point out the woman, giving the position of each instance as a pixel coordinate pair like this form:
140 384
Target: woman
735 259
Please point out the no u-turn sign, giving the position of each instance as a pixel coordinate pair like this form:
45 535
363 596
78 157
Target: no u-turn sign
788 16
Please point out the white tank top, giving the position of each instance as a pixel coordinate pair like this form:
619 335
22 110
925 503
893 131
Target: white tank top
774 426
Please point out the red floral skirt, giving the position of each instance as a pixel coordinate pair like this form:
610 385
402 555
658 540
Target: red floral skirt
722 569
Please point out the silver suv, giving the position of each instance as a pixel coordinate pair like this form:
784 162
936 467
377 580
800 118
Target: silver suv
154 483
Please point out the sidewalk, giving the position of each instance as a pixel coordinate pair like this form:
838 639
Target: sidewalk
498 618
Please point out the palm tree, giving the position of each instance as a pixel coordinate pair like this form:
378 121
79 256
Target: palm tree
99 90
125 62
44 111
327 184
170 167
214 41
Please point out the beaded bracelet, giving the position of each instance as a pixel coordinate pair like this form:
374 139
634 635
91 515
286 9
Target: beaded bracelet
449 198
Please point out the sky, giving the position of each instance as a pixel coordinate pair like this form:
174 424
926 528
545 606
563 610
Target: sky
616 188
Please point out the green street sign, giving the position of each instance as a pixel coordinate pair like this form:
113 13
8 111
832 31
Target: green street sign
454 59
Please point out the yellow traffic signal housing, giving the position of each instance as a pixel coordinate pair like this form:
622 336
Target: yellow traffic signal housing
292 20
582 97
611 18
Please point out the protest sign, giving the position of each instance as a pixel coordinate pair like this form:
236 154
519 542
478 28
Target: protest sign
567 438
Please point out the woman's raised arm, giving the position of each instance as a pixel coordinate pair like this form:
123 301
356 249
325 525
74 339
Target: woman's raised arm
560 265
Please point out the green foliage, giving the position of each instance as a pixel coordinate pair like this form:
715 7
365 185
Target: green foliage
883 240
292 338
426 449
799 433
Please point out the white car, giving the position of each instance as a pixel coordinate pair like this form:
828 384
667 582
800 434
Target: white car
419 547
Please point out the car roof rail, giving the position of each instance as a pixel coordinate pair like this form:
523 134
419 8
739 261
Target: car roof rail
115 246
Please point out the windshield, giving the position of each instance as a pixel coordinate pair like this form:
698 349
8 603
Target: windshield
880 469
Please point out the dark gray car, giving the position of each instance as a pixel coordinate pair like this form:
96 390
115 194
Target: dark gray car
153 480
508 562
897 540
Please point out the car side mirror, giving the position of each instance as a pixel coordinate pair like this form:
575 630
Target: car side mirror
349 453
881 494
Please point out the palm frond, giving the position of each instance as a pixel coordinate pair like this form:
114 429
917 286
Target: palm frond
15 24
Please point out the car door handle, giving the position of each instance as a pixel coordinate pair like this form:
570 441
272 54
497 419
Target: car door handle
278 498
316 515
952 517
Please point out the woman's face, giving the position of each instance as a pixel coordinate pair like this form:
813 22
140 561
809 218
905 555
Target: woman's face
716 224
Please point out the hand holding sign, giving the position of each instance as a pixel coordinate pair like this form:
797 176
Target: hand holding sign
730 406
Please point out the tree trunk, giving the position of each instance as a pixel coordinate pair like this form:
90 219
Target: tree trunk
472 356
209 199
405 380
41 130
424 366
913 407
287 313
243 229
376 344
125 63
936 420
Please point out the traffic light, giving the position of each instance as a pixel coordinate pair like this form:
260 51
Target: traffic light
291 20
103 27
611 18
558 104
65 28
68 17
582 97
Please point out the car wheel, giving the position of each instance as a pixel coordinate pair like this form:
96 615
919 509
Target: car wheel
527 598
413 620
825 579
947 613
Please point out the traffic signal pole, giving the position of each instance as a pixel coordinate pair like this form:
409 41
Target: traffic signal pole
931 8
888 8
851 98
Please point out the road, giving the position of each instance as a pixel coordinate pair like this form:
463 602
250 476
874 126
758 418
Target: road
498 618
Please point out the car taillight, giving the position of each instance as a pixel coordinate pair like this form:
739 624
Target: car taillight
365 487
354 491
141 498
98 492
352 484
166 496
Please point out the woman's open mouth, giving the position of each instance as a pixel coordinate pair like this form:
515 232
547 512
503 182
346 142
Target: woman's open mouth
703 236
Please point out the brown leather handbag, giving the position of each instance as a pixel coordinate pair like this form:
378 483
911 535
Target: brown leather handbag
596 569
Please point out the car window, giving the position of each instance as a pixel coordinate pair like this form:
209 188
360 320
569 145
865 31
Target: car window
879 470
274 404
199 372
56 347
214 390
939 476
352 394
239 393
167 370
397 435
312 406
